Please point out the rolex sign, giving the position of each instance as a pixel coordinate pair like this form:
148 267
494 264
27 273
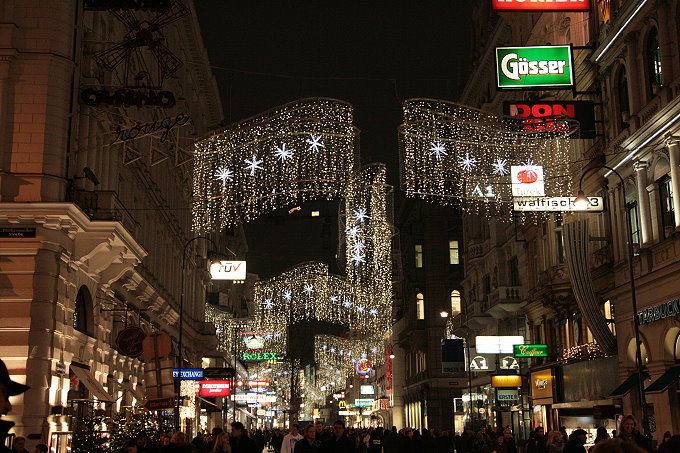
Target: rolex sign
540 67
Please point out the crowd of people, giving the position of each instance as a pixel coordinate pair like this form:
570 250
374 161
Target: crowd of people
319 438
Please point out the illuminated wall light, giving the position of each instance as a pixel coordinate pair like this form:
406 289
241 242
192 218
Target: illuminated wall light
315 213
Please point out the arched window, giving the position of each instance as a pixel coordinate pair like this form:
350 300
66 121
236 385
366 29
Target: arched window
82 313
677 348
623 98
420 306
654 76
455 302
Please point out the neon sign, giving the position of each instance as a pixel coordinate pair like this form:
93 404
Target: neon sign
548 67
541 5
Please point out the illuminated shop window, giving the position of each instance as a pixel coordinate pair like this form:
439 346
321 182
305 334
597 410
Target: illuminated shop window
420 306
454 257
455 302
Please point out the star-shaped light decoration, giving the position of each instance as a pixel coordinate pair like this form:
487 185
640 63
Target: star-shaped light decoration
253 165
373 311
224 175
324 347
360 215
357 257
282 153
358 245
332 349
354 231
315 143
529 163
346 303
268 304
374 350
308 289
438 150
467 162
499 167
361 308
333 299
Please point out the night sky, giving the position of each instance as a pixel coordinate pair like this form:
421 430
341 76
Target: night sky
371 54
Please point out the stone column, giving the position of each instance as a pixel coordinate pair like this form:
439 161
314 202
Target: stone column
643 203
674 152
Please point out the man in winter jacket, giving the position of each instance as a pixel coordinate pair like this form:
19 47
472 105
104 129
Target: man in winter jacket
7 388
576 442
290 439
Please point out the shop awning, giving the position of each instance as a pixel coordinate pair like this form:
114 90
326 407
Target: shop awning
665 380
626 386
93 385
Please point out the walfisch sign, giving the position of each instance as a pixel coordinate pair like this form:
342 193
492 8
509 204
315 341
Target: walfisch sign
541 5
555 204
544 67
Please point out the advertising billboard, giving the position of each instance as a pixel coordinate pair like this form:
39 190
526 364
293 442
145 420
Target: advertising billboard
539 67
541 5
228 270
215 388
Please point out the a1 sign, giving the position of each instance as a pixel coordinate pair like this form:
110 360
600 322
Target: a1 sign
541 5
540 67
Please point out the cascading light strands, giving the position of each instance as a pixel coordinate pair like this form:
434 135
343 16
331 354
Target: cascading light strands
296 152
456 155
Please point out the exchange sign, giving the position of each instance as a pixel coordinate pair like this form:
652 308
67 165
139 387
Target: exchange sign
541 5
544 67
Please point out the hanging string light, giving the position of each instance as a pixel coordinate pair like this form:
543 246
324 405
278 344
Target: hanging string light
296 152
456 155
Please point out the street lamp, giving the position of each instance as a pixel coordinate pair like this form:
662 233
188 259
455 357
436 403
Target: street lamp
444 314
180 345
582 202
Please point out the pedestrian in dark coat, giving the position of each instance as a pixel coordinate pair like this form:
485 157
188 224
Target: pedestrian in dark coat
239 440
577 441
629 433
309 443
339 442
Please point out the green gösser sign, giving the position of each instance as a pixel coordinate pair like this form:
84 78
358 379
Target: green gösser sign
534 67
530 350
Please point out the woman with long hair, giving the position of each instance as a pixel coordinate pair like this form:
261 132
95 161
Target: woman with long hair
629 433
221 444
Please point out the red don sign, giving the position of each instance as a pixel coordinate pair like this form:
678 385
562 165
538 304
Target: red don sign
215 388
541 5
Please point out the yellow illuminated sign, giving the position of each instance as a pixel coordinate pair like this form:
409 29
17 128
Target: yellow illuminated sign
506 380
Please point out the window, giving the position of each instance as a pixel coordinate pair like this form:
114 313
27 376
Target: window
666 199
420 306
608 310
419 255
654 77
624 103
634 222
677 348
82 312
455 302
454 257
514 272
559 246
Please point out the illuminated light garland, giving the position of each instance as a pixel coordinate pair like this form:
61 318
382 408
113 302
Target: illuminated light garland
456 155
300 151
587 351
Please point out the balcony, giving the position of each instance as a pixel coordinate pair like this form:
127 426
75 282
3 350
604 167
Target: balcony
105 205
506 300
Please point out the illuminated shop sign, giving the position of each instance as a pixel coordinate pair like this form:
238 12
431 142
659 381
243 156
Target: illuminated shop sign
541 5
364 367
527 181
254 342
555 204
367 390
507 395
545 116
189 374
362 402
497 344
531 350
262 356
506 380
228 270
663 311
215 388
544 67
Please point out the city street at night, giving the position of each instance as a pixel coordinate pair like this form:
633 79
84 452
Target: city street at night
354 227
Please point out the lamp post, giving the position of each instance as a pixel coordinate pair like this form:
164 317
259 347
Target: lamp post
582 202
180 345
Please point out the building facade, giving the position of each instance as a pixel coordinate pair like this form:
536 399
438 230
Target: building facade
429 238
519 280
96 201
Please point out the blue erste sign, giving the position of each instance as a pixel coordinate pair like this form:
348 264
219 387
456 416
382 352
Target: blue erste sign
189 374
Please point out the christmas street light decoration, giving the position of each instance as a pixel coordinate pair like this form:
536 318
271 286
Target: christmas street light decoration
456 155
300 151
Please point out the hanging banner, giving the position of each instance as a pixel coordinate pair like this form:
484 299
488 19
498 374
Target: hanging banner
541 67
541 5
